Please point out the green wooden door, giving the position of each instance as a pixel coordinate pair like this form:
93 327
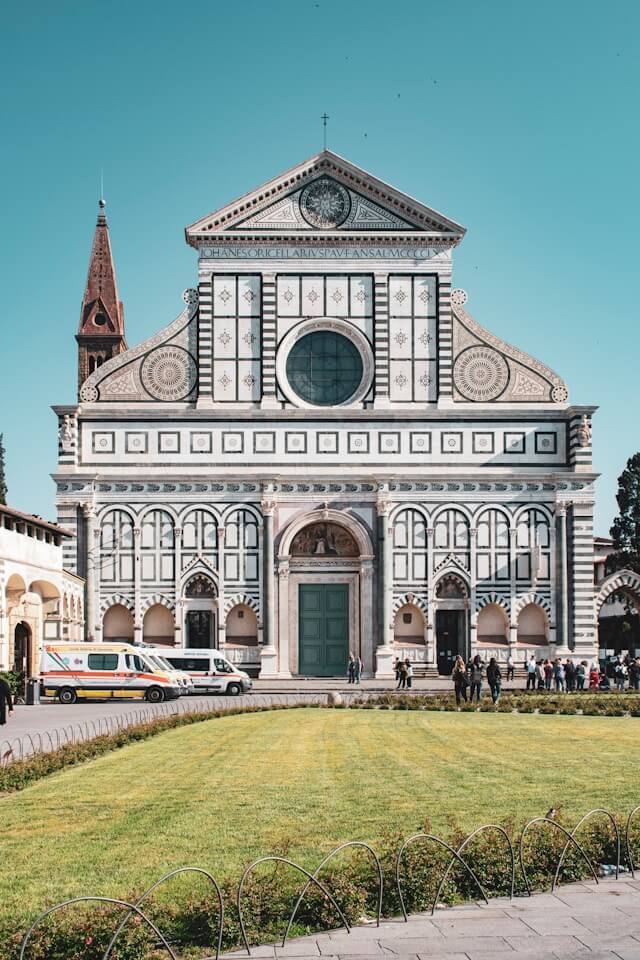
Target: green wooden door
323 629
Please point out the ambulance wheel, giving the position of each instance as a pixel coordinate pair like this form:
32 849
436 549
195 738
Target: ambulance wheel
234 690
154 695
67 695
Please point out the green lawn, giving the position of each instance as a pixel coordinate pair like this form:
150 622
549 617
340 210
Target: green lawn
221 793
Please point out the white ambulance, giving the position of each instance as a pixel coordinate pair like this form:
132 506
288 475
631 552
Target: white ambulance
209 670
73 671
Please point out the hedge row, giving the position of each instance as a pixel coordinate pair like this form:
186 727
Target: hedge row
188 916
589 705
22 773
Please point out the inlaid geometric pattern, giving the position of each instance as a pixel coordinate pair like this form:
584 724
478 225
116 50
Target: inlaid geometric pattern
236 337
413 311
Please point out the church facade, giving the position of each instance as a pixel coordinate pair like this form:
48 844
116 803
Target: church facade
325 452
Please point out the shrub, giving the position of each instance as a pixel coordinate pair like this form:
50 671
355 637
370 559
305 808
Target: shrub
269 893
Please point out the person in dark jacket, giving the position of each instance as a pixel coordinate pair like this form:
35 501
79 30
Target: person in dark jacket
6 701
494 679
476 672
460 681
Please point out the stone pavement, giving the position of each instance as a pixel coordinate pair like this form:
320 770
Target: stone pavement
581 921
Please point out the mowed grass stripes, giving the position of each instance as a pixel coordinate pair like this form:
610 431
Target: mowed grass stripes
221 793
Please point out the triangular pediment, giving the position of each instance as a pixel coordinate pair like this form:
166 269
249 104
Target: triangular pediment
327 195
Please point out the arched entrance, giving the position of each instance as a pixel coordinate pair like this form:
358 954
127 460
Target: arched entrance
325 595
618 613
158 627
451 603
117 624
22 649
201 607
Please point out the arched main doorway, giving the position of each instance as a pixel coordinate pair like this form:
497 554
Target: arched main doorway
325 595
451 603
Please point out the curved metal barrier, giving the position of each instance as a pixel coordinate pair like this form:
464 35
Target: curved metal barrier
296 866
154 886
627 840
486 826
570 839
330 856
587 816
119 903
455 855
312 878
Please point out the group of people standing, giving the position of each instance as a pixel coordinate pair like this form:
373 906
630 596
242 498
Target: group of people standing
470 676
404 674
565 676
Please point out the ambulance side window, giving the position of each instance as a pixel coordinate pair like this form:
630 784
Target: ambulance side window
134 663
222 666
102 661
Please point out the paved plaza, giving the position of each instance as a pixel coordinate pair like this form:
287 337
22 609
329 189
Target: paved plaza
579 922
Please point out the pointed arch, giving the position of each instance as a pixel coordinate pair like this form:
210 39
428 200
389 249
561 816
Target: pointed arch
495 598
413 600
535 598
116 598
245 599
155 598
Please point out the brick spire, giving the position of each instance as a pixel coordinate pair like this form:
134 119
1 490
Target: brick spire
102 311
101 332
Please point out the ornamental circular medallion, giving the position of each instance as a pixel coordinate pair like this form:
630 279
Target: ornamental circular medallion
325 203
459 297
88 394
168 373
190 296
559 394
480 373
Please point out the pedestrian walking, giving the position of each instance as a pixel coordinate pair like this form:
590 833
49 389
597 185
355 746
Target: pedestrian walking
540 677
581 674
548 674
594 676
396 669
351 669
460 680
476 675
494 679
6 701
409 673
511 667
634 674
357 668
402 675
570 675
531 673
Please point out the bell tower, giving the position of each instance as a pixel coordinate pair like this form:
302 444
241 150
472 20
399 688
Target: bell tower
101 332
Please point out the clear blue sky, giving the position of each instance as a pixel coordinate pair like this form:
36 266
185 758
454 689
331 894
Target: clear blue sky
519 120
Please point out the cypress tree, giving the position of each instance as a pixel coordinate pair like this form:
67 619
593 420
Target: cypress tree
626 527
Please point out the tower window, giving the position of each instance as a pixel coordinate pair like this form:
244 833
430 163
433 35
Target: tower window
100 320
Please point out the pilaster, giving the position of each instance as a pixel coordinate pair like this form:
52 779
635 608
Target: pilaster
384 652
89 514
381 338
137 579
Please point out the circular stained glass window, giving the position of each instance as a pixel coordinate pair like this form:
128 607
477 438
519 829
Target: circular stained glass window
324 368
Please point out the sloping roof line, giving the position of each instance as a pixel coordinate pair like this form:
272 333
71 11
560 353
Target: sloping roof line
359 179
